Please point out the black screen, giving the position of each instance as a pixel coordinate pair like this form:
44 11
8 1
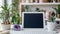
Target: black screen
33 20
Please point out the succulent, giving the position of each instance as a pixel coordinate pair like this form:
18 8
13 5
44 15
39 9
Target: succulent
52 17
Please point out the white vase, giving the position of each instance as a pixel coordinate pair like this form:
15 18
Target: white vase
51 26
6 27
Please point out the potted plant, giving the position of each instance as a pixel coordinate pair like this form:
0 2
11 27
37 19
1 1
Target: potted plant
15 15
4 15
26 8
51 24
57 9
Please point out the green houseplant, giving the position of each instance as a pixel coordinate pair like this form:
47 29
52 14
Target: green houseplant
51 22
26 8
57 9
4 15
15 15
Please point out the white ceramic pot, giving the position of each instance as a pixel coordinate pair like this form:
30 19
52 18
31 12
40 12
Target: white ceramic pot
6 27
51 26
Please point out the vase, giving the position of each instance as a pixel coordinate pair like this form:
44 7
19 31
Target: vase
51 26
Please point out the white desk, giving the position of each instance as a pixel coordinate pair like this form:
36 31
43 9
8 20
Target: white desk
32 31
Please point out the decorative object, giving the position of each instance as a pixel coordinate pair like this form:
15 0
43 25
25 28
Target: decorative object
37 9
45 1
4 15
26 8
57 11
51 24
15 15
17 27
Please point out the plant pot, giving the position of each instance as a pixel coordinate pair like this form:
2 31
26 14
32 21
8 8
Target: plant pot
58 15
51 26
6 27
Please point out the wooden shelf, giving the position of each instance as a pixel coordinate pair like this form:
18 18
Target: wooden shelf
40 3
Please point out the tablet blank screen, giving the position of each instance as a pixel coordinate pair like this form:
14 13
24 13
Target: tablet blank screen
33 20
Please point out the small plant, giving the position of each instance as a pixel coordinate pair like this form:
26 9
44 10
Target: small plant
57 9
52 17
26 7
51 24
15 13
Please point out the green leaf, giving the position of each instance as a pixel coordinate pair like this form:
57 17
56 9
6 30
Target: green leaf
55 9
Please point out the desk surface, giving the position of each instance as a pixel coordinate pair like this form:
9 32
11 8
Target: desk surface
32 31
